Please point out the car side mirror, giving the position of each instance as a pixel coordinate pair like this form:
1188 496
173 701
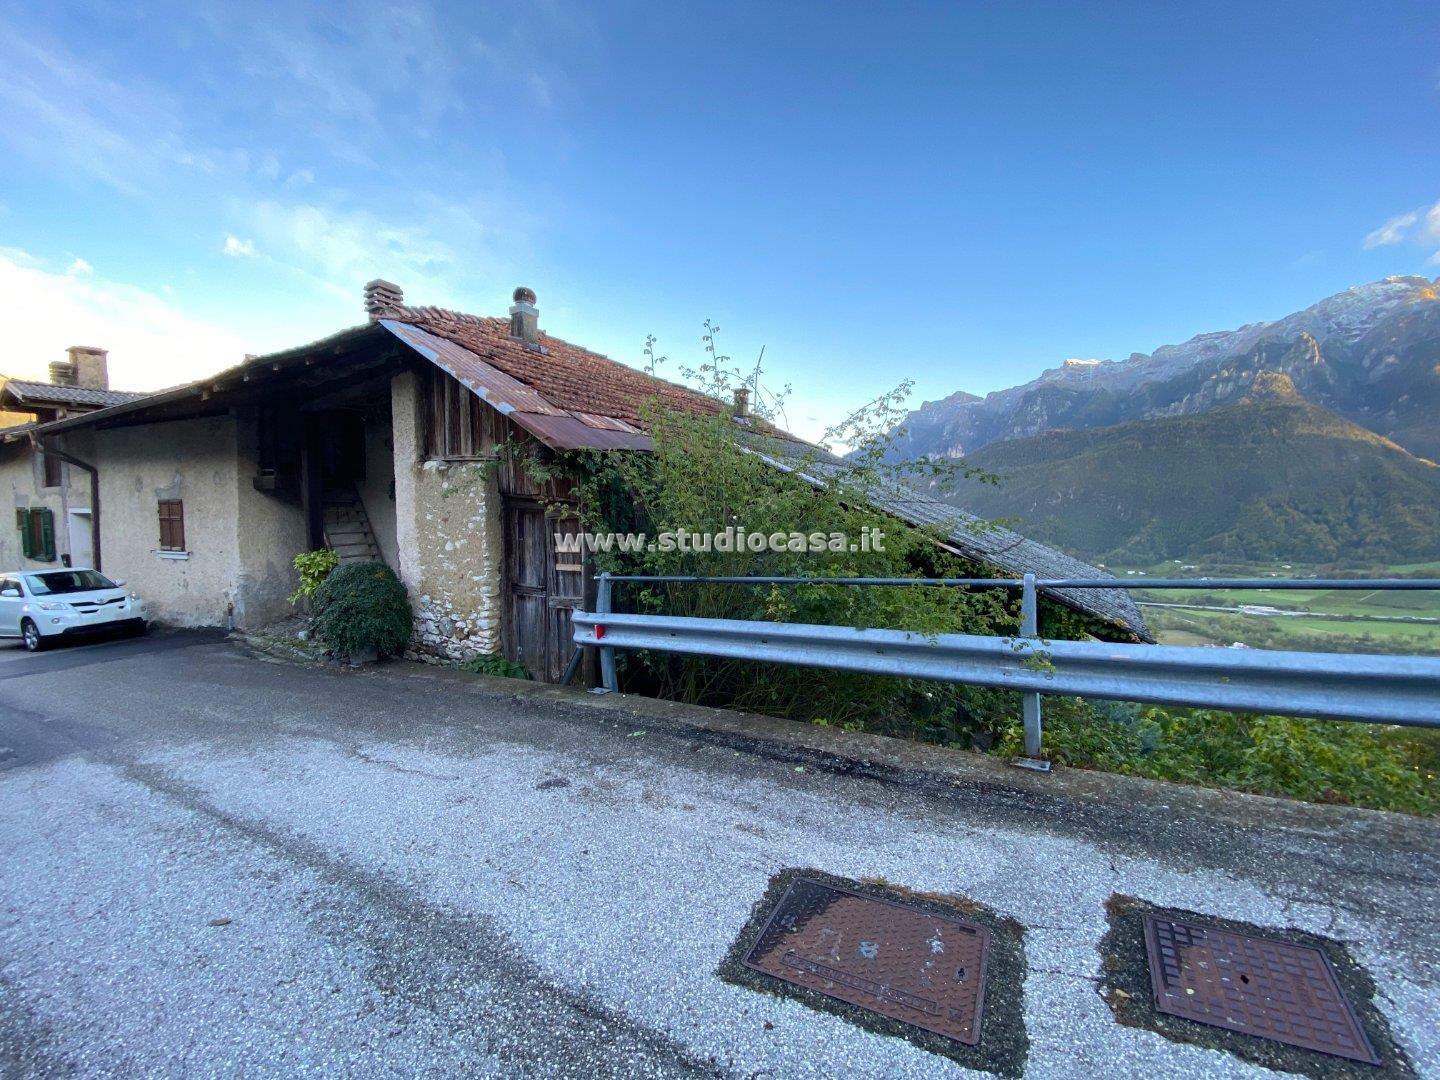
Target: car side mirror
119 582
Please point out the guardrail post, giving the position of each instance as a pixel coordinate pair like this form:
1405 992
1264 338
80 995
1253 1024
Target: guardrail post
604 598
1030 702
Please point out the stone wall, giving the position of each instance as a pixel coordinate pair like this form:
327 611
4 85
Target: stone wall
449 539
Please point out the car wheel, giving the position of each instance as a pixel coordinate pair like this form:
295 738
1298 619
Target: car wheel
30 633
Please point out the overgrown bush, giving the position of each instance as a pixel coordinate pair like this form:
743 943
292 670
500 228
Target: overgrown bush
314 567
1317 760
706 473
494 664
362 606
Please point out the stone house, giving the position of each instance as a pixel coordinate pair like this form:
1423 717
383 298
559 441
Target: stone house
51 498
381 442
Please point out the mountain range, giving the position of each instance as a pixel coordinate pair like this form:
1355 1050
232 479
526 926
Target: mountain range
1311 438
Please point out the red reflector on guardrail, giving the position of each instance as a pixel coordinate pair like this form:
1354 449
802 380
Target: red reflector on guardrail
599 632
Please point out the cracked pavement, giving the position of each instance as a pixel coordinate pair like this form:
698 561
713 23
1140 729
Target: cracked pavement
218 865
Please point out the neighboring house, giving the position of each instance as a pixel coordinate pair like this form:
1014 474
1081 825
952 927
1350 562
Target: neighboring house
51 498
381 442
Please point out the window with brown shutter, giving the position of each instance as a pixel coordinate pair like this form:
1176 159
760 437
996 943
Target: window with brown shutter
172 525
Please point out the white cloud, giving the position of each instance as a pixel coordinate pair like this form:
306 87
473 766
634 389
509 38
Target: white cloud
1392 232
152 343
346 248
78 267
1420 226
238 248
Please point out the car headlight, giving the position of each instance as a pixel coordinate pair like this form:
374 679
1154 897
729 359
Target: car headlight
54 605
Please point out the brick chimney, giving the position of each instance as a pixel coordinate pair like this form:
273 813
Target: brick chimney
381 297
89 366
742 401
524 317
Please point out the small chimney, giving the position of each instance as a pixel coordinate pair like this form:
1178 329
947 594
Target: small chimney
742 401
90 367
524 318
381 298
62 373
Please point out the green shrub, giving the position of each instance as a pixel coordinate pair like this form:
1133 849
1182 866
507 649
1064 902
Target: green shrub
1317 760
314 567
494 664
362 606
1324 761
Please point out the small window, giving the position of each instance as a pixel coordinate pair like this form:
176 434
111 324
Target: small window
172 525
52 465
37 532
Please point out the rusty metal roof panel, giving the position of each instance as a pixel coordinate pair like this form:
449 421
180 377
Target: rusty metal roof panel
506 393
560 429
609 423
566 432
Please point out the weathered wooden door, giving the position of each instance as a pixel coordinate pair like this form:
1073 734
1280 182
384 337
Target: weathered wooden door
542 587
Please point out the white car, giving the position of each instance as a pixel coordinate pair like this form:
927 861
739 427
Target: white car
41 606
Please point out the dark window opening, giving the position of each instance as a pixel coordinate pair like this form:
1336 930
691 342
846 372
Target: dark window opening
52 465
172 525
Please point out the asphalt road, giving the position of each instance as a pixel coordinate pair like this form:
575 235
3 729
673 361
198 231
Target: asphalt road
217 865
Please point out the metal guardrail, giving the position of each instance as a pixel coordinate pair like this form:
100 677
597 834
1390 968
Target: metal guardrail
1401 690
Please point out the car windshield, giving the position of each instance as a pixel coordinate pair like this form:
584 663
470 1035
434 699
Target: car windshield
67 581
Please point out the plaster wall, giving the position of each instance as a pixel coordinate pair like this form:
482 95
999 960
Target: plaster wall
192 460
22 484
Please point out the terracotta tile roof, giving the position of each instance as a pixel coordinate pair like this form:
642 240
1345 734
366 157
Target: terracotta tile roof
569 377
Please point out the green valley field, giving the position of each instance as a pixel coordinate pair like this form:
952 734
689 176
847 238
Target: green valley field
1322 620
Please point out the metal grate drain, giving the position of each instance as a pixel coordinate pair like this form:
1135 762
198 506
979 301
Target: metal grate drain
898 960
1253 985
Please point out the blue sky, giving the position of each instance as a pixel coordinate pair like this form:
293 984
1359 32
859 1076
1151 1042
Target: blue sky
954 193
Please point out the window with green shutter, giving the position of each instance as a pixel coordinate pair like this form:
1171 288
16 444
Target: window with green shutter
22 522
46 547
37 532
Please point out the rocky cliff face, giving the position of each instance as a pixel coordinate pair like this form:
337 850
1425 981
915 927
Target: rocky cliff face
1371 354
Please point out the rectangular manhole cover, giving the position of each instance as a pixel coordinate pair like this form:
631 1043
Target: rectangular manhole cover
1253 985
900 961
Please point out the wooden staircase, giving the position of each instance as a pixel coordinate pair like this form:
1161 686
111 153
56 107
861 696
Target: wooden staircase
347 527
